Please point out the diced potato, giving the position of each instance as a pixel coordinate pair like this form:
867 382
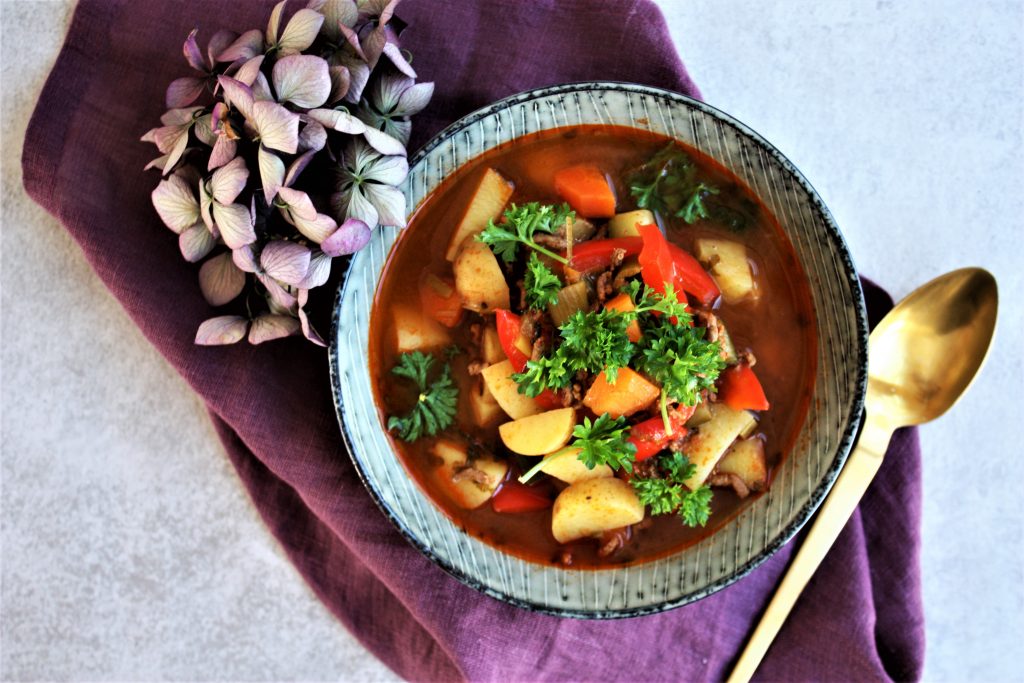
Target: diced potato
571 298
568 468
490 347
589 507
624 224
479 279
728 264
503 388
539 434
725 342
416 331
487 204
630 393
701 414
713 438
466 492
746 460
486 410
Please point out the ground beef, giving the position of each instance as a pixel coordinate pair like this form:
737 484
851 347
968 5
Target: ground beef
613 540
470 473
476 367
747 357
732 480
572 396
603 286
582 230
530 320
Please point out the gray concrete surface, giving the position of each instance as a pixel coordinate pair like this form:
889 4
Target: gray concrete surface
129 550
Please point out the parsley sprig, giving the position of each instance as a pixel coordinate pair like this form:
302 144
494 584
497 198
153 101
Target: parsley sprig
521 224
669 494
601 442
434 410
668 184
542 286
681 360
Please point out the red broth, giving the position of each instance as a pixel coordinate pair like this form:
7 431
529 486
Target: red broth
778 327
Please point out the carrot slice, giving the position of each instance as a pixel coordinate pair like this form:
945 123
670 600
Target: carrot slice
623 304
586 190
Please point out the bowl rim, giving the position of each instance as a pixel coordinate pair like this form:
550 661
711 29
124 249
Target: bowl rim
842 449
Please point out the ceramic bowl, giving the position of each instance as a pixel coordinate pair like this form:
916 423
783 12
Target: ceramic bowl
805 475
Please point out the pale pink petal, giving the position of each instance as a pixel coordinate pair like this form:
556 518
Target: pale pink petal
247 46
299 203
218 115
389 201
192 53
336 12
249 70
359 76
302 80
205 205
307 327
338 120
300 32
220 41
150 136
245 259
167 138
298 166
204 130
280 299
184 91
270 327
261 89
229 181
383 143
159 162
394 54
388 89
274 24
350 237
271 173
277 127
224 329
312 137
352 204
196 242
389 170
235 224
176 204
237 94
287 262
318 229
414 99
179 117
319 271
353 40
224 150
220 280
340 81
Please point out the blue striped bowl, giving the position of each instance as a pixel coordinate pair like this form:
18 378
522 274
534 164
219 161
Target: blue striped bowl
805 475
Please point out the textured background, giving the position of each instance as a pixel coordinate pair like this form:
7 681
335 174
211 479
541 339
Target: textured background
129 549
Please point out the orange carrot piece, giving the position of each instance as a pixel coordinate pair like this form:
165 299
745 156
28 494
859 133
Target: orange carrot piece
630 393
440 300
587 191
623 304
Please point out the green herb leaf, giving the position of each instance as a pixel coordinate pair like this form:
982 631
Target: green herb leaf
435 406
542 286
679 359
669 494
668 184
696 506
521 224
603 442
651 302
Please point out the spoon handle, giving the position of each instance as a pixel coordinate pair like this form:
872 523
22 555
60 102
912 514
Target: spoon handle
860 469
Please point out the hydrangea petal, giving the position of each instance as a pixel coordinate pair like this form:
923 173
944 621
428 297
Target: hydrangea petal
224 150
350 237
246 46
229 181
166 138
274 23
300 32
337 12
299 203
395 56
204 130
205 204
180 116
384 143
285 261
277 127
340 81
352 204
298 166
224 329
389 202
261 89
245 259
270 327
219 42
318 229
359 76
414 99
271 173
249 70
353 41
280 299
302 80
338 120
193 55
235 224
319 271
196 242
388 89
307 327
220 280
390 170
176 204
237 94
184 91
312 137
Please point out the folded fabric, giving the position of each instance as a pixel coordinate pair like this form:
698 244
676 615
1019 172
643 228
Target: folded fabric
859 619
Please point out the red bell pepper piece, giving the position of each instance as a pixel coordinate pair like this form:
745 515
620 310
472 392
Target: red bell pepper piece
656 263
650 437
739 388
508 333
691 276
516 497
548 400
598 253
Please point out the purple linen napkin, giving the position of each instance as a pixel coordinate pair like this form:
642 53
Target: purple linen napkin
861 616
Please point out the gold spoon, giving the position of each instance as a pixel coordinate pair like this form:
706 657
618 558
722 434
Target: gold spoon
921 359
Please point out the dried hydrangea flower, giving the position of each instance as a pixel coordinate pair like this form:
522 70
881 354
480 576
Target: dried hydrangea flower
367 181
391 101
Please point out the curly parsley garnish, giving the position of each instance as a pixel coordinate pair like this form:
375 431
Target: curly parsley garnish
435 406
542 286
668 184
521 224
668 495
601 442
681 360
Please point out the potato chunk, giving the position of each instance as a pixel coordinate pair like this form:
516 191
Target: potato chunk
503 388
486 410
479 279
416 331
568 468
746 460
624 224
469 485
713 438
490 347
589 507
487 204
728 264
539 434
